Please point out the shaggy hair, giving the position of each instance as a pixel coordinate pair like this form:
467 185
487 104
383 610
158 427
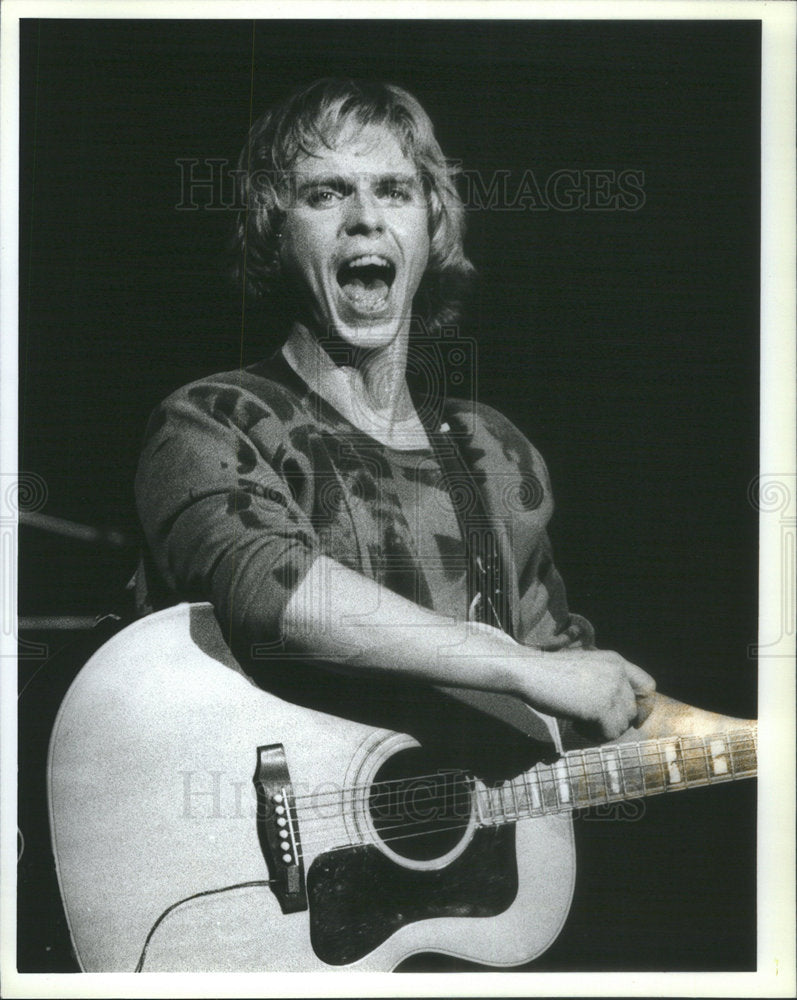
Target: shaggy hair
312 118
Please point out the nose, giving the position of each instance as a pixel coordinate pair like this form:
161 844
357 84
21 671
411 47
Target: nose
365 215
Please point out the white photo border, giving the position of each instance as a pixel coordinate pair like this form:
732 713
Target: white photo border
776 926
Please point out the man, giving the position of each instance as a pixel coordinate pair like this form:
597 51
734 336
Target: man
342 524
352 223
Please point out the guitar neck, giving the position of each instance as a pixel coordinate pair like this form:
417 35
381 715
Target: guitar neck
618 772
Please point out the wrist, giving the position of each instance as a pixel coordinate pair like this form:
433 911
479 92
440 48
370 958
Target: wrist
545 682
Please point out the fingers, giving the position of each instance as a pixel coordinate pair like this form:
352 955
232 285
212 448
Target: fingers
600 690
641 681
644 708
635 702
644 688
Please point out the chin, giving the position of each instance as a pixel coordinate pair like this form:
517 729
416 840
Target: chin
368 332
368 335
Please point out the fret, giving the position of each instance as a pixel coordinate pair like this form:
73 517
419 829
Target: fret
694 759
522 795
492 811
641 767
572 789
721 764
597 788
563 783
497 805
586 798
533 786
548 788
653 771
541 774
731 763
663 765
742 751
515 804
672 760
553 786
577 776
484 818
507 799
633 778
621 772
611 769
612 773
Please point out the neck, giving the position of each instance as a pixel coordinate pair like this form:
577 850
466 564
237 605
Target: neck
370 391
621 772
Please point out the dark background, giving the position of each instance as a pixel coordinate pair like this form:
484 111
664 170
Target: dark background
623 343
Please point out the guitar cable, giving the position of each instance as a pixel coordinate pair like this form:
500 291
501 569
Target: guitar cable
265 883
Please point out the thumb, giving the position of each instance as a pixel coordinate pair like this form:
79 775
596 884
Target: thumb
644 706
641 681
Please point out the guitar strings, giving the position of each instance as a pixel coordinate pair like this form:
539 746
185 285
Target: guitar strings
497 817
314 846
469 794
371 841
588 781
518 810
591 763
625 755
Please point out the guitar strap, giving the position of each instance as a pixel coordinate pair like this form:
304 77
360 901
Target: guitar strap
488 584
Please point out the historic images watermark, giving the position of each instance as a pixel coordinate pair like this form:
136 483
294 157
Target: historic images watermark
214 184
774 496
20 494
408 804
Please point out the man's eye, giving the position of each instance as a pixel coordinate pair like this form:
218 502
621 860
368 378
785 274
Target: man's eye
397 193
319 197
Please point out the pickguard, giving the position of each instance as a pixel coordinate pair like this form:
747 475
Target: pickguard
359 897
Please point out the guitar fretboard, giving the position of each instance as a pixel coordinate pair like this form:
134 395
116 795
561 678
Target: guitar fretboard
615 773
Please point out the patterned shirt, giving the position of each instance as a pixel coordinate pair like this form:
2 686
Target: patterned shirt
248 476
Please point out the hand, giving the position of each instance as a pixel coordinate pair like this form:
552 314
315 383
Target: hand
601 691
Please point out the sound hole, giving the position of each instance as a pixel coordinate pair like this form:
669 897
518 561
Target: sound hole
420 813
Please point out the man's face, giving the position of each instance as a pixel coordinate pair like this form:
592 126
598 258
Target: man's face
355 237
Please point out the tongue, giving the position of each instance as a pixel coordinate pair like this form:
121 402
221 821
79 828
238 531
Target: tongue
363 296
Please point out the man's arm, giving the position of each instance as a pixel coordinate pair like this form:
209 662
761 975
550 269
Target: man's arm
345 619
668 717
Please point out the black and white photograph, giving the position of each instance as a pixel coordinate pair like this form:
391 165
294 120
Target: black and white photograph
398 529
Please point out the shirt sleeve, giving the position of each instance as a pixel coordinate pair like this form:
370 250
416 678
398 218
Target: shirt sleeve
518 486
220 498
548 622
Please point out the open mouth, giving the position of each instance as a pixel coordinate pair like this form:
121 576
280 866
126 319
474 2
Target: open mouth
366 281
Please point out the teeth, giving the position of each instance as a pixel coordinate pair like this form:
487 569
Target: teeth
368 259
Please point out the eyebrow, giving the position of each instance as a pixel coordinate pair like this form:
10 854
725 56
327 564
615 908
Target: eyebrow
345 181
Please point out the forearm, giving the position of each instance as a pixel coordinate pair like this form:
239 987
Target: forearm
347 620
669 717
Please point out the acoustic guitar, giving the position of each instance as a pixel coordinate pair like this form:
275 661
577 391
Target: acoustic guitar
281 817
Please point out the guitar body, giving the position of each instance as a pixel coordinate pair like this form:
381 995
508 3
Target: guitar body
158 835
